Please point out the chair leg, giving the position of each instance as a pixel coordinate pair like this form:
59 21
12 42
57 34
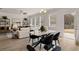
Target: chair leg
58 42
55 42
29 39
38 39
32 41
37 44
40 46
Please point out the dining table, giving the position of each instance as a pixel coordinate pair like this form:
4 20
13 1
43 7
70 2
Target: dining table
42 34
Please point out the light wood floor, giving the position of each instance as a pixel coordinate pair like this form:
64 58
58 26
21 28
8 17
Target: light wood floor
7 44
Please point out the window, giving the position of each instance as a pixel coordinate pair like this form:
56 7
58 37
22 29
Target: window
52 21
37 21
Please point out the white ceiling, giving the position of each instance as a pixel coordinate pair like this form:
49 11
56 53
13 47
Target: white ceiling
29 11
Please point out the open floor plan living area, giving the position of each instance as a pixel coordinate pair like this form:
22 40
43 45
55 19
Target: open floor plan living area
39 29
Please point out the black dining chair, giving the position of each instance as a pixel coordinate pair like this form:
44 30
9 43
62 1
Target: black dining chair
55 38
57 48
30 48
33 37
46 40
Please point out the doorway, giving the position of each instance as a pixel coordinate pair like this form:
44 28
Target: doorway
69 31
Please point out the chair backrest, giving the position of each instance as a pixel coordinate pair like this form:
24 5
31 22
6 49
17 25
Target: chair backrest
33 36
55 37
45 35
47 40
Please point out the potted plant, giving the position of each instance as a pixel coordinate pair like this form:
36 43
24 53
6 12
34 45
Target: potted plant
42 29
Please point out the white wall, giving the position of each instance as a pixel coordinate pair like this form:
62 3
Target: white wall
59 13
77 27
60 23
